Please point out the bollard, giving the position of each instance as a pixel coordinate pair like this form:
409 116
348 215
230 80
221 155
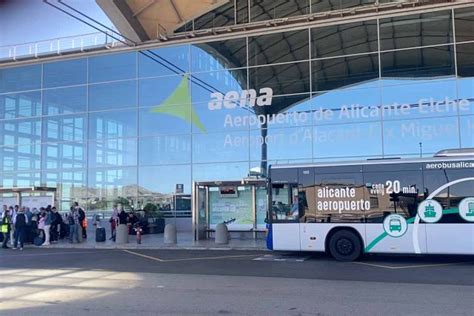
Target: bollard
121 234
80 238
170 235
222 234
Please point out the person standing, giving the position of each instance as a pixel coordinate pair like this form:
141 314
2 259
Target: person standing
56 221
21 220
47 227
114 222
82 220
5 227
13 213
73 222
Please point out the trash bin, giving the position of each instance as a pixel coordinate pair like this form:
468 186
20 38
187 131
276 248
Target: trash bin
222 234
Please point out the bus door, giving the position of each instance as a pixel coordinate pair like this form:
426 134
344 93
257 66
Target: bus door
311 240
284 216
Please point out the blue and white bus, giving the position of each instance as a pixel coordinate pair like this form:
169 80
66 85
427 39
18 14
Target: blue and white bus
413 206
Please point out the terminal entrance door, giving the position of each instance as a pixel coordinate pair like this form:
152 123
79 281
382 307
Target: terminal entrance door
240 205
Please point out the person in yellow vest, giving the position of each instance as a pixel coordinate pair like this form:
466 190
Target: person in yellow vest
5 227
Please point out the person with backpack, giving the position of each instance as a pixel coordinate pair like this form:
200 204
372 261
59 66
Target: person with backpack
73 222
82 220
5 227
20 222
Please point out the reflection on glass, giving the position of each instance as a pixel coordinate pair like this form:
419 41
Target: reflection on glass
283 79
163 179
153 92
278 48
220 171
464 24
20 78
167 149
65 128
22 157
20 131
465 60
416 30
112 67
262 10
219 55
404 137
64 155
65 73
413 63
344 39
163 61
24 104
155 121
113 124
113 95
467 131
221 147
113 152
65 100
107 185
329 74
345 140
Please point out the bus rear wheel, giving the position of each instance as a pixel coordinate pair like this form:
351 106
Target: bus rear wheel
345 245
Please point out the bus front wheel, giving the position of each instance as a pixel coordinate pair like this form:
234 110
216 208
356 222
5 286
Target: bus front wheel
345 245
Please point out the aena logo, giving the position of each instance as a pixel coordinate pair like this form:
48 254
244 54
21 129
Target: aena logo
233 99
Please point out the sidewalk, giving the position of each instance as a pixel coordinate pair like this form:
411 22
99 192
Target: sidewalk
155 241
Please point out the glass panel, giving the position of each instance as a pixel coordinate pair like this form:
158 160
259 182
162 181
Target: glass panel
23 157
359 103
20 180
348 140
20 131
220 171
278 48
206 119
467 131
262 10
112 124
65 100
284 111
330 5
172 89
165 120
219 55
64 155
281 144
283 79
163 61
113 152
407 98
65 73
65 128
464 24
112 95
426 62
329 74
159 180
221 16
344 39
70 185
112 67
204 84
416 30
242 11
465 60
466 95
169 149
404 137
24 104
221 147
106 186
20 78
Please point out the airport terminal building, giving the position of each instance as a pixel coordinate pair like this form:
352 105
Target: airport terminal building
228 88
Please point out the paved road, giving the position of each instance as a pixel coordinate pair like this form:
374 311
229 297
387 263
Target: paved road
177 282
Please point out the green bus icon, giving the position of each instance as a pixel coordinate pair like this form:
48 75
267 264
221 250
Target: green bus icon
470 209
395 225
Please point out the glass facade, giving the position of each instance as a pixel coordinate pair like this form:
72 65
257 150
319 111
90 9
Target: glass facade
136 124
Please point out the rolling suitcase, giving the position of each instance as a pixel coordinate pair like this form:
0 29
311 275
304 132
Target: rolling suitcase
100 234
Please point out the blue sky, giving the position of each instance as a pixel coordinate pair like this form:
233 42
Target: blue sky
23 21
